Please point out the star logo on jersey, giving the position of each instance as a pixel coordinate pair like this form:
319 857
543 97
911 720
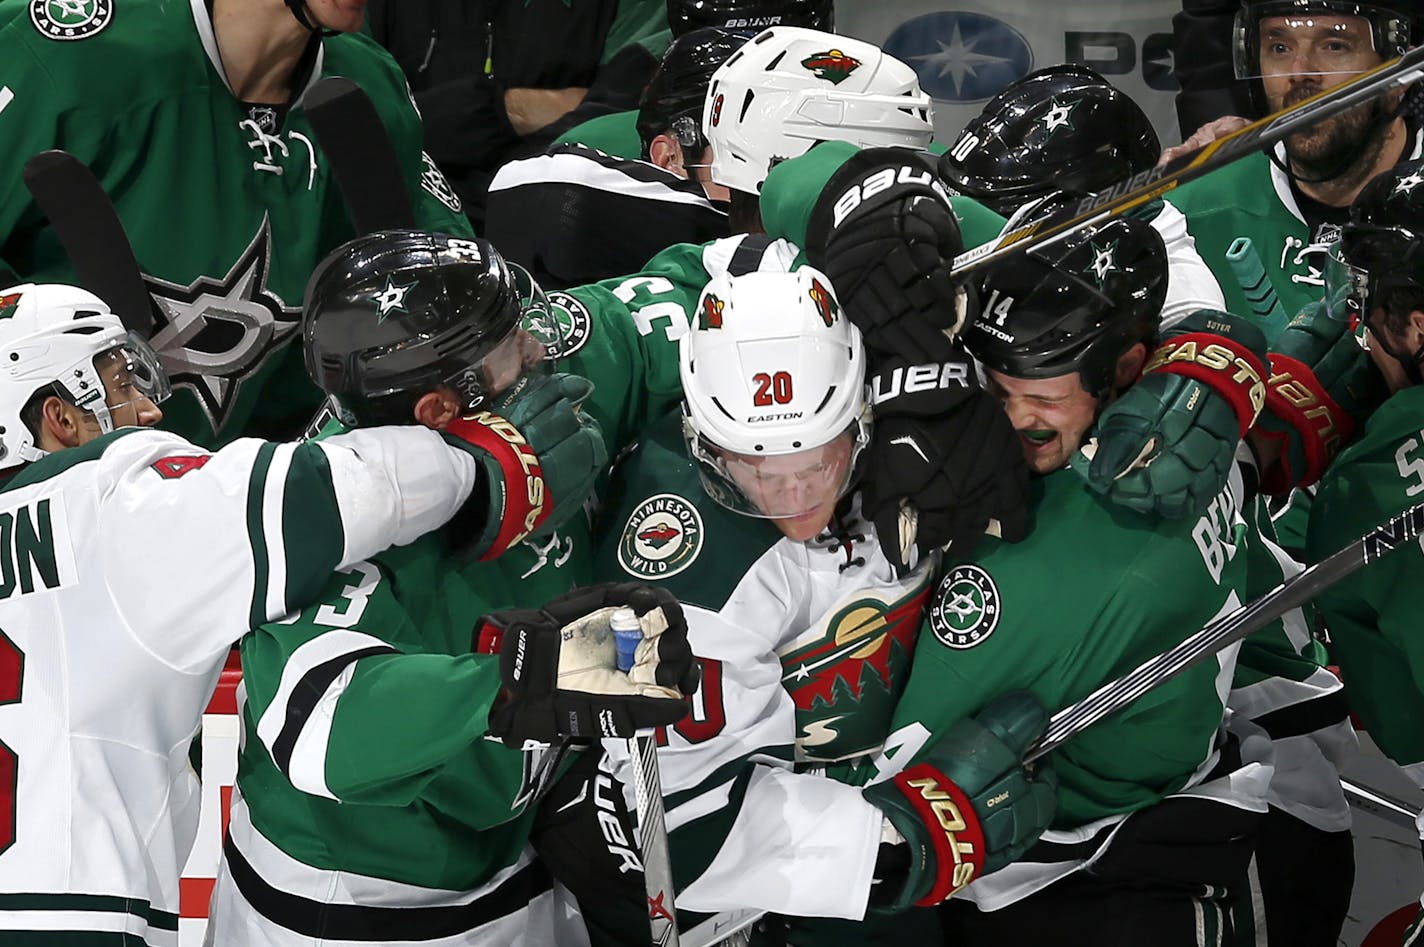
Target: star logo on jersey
1058 115
1104 261
434 182
832 65
844 681
71 19
565 328
391 299
711 315
966 607
662 537
213 335
1407 184
826 304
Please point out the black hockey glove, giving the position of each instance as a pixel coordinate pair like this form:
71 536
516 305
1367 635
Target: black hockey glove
968 807
944 464
884 232
560 667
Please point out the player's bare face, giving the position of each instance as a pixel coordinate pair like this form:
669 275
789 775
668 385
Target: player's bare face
1388 365
798 491
518 353
1306 54
128 405
345 16
1051 415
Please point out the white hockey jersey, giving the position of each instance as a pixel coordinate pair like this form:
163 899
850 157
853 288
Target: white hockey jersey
129 567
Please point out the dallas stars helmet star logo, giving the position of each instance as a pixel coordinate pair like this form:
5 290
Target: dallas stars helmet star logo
1104 261
391 299
1059 115
1407 184
212 335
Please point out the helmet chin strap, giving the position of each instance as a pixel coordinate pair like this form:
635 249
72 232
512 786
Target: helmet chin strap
299 10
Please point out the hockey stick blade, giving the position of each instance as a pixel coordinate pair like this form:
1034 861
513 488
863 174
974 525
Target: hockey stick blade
359 151
92 235
1153 183
1230 628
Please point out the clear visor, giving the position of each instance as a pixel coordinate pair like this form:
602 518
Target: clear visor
518 354
538 317
1316 44
1346 288
131 374
778 486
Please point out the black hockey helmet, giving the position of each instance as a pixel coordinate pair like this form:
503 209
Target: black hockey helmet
1061 128
672 102
1382 250
1074 305
392 314
750 16
1394 26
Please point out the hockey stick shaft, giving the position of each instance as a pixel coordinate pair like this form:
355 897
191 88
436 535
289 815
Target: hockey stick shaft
1230 628
653 841
1382 804
360 154
89 229
1251 276
1147 185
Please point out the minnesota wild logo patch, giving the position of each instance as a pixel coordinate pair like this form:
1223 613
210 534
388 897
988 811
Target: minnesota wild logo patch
832 65
662 537
71 19
826 304
711 315
966 607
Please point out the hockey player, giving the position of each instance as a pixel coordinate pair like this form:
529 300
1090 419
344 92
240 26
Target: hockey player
614 214
369 806
1292 201
742 506
1372 614
190 114
618 135
133 560
1117 865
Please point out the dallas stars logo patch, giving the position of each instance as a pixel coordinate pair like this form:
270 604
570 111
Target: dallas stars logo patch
564 328
832 65
662 537
711 315
213 335
391 299
826 304
966 608
71 19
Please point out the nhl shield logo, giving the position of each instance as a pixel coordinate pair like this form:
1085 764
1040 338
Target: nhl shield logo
662 538
71 19
833 65
966 607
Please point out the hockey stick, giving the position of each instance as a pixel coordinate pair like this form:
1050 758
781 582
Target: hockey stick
359 151
648 797
1380 804
1230 628
89 229
1251 276
1146 185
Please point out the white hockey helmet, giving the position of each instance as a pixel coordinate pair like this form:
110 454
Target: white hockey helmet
791 87
52 334
771 369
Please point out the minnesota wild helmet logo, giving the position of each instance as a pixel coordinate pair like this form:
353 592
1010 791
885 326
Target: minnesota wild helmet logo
711 315
832 65
8 304
826 304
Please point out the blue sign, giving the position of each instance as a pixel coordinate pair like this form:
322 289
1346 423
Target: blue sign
961 56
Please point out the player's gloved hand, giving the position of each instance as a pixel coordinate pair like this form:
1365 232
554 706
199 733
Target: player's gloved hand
969 807
884 232
1322 384
559 664
540 454
1166 446
944 465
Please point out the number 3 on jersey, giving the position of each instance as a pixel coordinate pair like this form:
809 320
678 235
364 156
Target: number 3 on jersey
708 718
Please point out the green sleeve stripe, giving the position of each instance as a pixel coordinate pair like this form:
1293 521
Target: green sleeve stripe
312 532
89 903
695 846
256 533
729 771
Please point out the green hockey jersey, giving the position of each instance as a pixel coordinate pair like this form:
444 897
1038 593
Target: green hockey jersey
1373 615
229 207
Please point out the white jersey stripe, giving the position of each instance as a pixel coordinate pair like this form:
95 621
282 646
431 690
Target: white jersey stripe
315 652
273 492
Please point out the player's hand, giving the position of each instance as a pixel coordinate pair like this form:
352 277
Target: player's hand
944 465
1167 445
560 667
1208 133
1322 384
975 772
540 454
884 232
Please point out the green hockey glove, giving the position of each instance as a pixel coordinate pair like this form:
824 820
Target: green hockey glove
1166 446
1322 385
968 807
540 455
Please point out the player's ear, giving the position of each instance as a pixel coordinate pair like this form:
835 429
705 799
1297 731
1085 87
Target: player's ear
60 424
1129 366
437 408
665 152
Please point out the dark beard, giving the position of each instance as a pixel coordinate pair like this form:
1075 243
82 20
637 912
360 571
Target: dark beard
1339 146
